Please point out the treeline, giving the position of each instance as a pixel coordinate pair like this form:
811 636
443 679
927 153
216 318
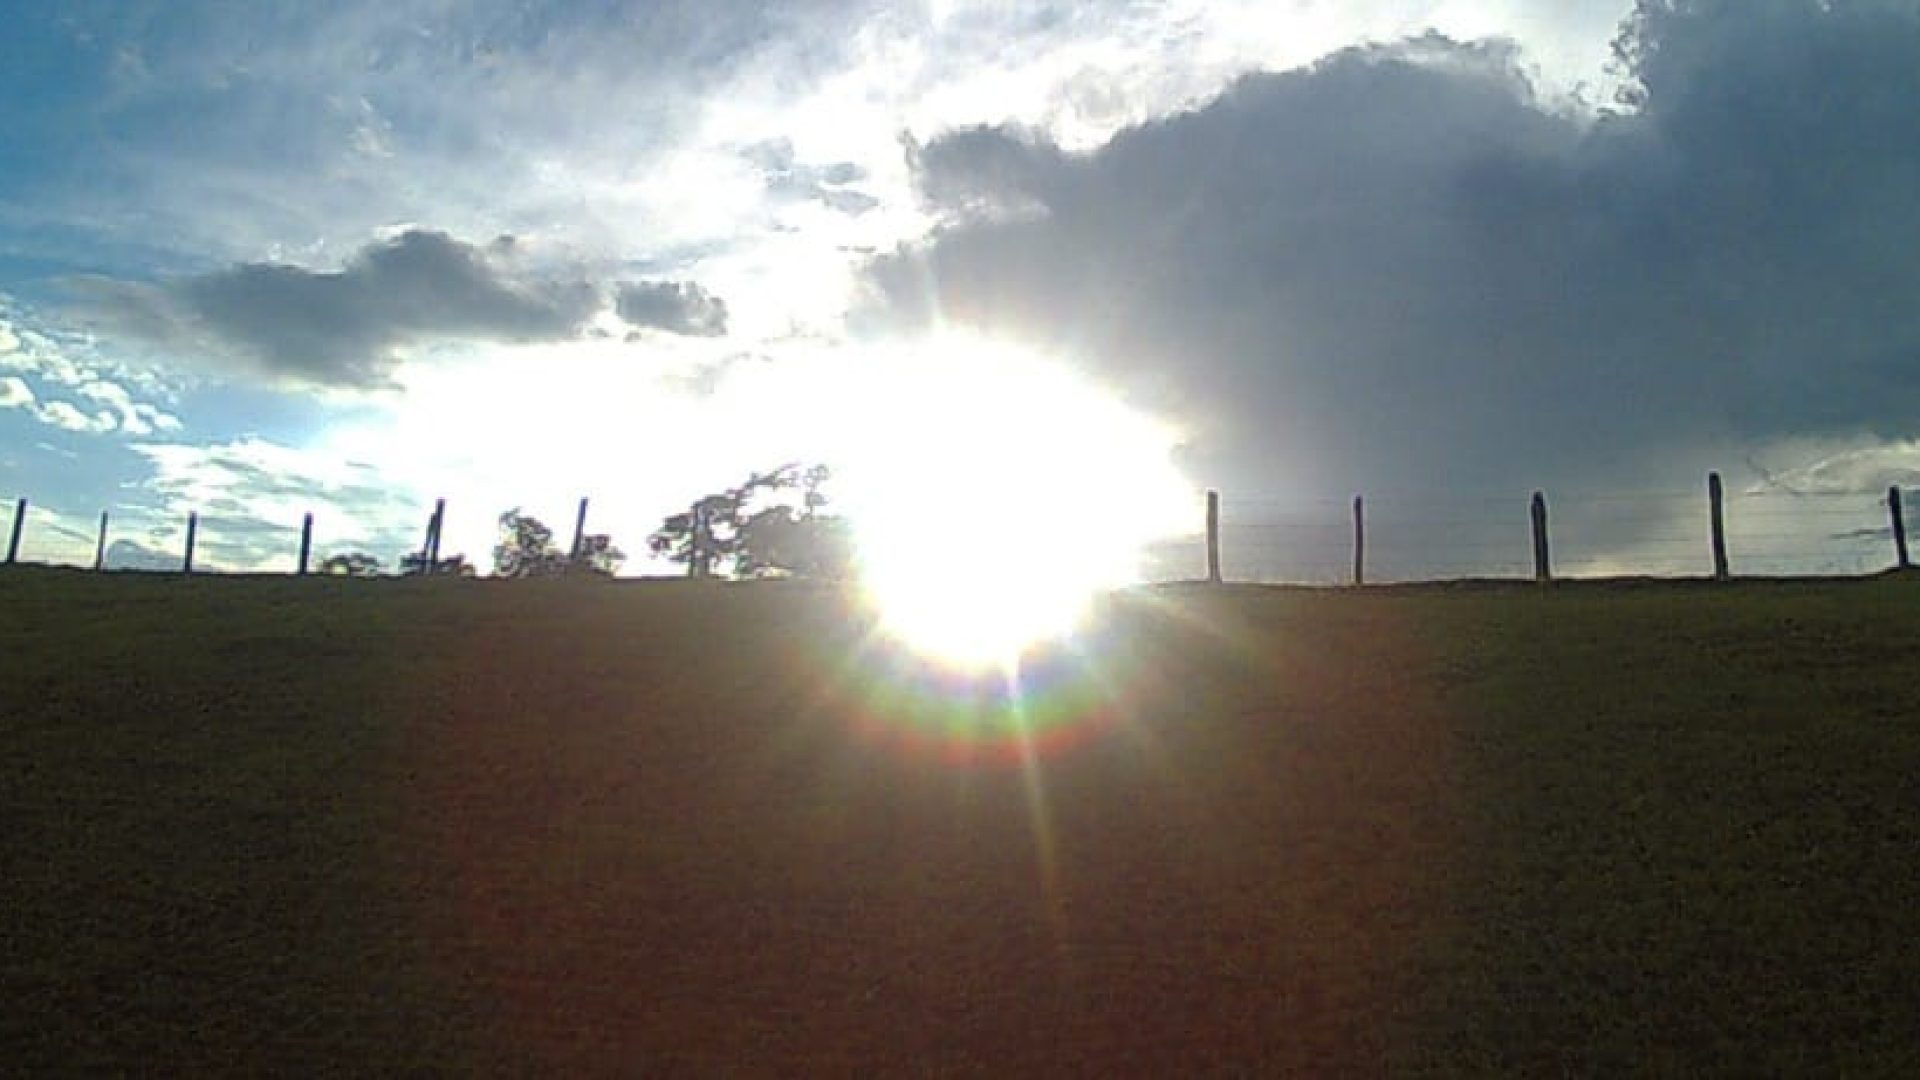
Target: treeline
775 524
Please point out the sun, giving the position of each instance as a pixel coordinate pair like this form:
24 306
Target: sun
998 493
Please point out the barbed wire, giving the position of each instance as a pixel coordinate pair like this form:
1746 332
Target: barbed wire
1263 537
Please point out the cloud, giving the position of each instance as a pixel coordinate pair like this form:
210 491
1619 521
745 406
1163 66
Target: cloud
1400 268
133 555
9 342
1872 468
52 362
252 494
15 393
829 184
39 355
677 307
133 417
343 328
64 414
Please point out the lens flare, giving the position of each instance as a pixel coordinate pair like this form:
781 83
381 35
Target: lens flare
1046 702
1004 491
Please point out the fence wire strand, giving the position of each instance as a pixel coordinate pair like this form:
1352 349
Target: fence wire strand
1262 538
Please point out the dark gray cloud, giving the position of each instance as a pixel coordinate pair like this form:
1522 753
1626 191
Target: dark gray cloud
1400 268
341 327
677 307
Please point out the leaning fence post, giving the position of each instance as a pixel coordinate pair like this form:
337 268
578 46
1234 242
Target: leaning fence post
1542 554
426 541
193 530
19 522
1213 537
579 528
100 545
430 547
439 522
306 541
1717 514
1899 527
1359 541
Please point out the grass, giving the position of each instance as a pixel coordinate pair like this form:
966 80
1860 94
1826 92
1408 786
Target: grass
273 825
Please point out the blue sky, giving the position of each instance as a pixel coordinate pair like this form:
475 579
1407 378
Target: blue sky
258 259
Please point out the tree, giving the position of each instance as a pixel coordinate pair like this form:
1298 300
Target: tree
759 529
526 551
357 564
597 555
525 548
782 540
414 564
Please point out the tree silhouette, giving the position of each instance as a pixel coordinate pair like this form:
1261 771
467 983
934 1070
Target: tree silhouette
414 564
759 530
357 564
597 555
526 551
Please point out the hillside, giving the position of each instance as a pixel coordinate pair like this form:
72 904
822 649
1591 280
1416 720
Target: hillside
272 824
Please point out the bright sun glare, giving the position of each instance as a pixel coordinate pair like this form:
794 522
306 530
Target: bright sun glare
1004 491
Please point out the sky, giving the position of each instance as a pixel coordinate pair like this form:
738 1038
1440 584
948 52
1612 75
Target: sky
260 259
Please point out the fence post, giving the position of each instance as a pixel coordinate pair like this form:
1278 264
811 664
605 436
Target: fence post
193 531
1542 553
1899 527
19 523
1359 541
697 565
1213 537
306 541
579 528
430 547
100 545
1717 514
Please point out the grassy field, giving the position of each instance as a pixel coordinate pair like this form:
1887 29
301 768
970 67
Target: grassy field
258 825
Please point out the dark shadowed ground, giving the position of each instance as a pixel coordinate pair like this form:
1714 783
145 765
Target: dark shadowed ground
273 824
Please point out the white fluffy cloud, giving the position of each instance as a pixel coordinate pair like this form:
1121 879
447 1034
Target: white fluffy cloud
133 417
251 495
68 416
15 393
51 362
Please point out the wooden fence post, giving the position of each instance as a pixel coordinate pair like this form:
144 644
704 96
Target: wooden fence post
306 541
1213 537
193 532
100 545
1717 514
1899 527
1359 541
579 528
430 547
19 523
1542 554
697 566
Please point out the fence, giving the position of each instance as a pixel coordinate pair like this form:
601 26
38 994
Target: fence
41 535
1710 532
